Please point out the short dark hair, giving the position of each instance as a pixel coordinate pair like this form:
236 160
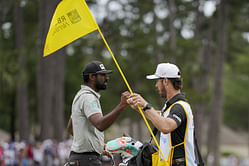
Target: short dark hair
176 82
86 78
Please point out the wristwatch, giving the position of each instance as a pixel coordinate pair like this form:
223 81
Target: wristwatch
147 107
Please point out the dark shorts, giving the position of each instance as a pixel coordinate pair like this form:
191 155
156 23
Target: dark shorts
84 159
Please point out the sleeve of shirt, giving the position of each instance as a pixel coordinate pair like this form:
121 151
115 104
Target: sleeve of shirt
90 105
177 113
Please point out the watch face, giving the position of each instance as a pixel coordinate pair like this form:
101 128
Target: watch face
148 106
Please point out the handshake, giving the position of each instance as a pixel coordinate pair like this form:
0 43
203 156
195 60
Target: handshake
134 100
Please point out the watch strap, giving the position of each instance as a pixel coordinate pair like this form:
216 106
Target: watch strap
148 106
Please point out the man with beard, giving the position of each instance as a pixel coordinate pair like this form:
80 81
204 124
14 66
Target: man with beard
175 120
87 122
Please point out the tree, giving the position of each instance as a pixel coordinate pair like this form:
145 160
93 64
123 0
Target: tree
200 82
50 80
172 31
22 89
218 95
58 110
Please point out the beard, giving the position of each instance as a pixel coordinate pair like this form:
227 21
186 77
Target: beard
100 85
163 92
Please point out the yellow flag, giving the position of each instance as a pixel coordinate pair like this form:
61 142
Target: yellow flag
72 19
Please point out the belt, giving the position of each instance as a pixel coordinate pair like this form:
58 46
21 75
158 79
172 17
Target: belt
84 153
179 160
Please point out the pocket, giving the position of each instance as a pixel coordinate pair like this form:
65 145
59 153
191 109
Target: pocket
156 160
94 160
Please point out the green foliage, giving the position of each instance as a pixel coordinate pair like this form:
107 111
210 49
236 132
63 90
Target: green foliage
237 89
134 40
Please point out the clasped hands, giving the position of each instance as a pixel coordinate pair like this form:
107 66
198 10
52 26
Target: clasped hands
135 100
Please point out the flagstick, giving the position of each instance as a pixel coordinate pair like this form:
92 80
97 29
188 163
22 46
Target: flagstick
128 86
141 112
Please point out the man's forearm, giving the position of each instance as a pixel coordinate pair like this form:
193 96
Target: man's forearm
103 122
163 124
70 127
112 116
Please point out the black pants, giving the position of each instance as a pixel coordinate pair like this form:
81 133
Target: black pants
84 159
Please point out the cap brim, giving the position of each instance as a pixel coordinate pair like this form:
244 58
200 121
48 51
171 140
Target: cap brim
152 77
104 72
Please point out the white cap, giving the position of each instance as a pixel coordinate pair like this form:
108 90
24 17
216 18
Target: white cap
165 70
